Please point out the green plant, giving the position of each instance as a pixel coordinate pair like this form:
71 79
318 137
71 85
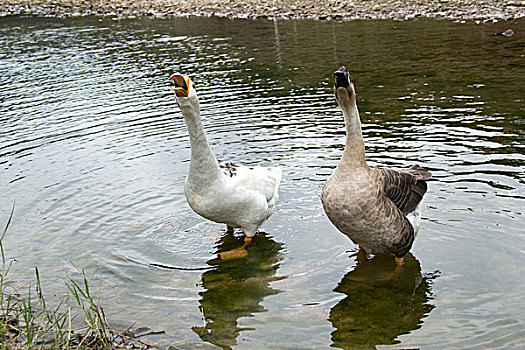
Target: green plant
28 322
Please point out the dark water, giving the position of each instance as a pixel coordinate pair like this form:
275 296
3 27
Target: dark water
94 151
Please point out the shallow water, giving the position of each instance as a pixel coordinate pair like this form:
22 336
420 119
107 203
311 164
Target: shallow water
94 152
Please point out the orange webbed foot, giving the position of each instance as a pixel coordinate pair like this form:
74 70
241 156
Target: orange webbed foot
400 261
237 253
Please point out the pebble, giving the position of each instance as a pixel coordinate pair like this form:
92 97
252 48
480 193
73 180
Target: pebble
508 32
481 10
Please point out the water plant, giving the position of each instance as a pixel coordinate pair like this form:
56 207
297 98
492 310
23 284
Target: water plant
76 321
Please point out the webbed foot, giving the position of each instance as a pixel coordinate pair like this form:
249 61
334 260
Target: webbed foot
237 253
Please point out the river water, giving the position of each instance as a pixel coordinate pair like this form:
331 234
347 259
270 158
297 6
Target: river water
94 153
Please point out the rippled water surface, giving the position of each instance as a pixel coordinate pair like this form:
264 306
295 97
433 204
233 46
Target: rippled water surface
94 152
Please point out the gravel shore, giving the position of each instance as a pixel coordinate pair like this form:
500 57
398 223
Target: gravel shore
284 9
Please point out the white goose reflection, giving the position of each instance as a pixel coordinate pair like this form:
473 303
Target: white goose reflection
235 288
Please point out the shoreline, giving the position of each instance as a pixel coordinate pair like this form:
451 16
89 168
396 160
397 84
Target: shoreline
481 10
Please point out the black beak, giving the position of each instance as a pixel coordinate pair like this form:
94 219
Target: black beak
342 78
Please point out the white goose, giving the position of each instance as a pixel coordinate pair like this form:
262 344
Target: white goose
239 196
376 208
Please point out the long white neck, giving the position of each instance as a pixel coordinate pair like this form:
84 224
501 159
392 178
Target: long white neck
204 168
354 153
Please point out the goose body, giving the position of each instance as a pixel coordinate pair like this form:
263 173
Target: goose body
239 196
378 209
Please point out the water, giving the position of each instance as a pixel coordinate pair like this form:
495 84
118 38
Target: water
94 152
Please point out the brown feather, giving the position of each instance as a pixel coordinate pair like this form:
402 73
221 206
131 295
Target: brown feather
405 188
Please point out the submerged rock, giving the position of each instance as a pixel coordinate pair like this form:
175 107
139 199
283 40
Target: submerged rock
508 32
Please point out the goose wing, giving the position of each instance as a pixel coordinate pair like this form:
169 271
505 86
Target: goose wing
405 188
259 179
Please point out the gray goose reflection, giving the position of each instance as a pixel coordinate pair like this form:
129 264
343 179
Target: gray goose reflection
234 288
382 302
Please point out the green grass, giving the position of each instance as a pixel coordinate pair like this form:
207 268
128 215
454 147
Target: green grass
27 321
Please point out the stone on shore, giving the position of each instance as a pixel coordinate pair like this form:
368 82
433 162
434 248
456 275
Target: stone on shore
287 9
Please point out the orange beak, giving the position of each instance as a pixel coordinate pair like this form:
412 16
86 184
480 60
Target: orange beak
182 85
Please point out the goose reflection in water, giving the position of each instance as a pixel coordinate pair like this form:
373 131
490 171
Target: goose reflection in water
234 288
382 302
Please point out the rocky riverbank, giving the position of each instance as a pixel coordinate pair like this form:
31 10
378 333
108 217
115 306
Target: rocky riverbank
285 9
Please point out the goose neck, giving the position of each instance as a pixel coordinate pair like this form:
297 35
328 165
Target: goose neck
354 152
204 167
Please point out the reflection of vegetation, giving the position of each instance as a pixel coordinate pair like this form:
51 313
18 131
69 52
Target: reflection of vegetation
381 303
235 288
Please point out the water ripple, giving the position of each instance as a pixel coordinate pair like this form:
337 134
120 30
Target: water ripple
95 152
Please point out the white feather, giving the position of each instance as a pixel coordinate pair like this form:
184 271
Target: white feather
414 217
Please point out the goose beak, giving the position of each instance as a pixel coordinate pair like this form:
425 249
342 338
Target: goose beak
343 86
182 85
342 78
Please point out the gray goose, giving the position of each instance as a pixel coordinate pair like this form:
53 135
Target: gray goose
378 209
